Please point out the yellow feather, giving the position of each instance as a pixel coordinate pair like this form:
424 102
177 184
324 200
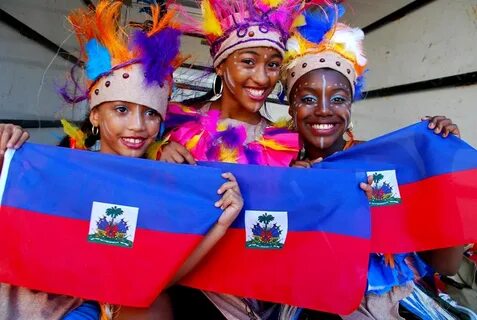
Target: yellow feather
211 23
74 133
192 143
272 3
299 21
271 144
228 155
282 122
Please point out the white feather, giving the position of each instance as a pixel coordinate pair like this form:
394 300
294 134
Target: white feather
352 40
293 45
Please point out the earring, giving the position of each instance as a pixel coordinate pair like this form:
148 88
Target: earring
214 86
281 93
94 130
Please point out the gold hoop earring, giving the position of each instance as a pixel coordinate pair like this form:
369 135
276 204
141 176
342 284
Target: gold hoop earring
95 130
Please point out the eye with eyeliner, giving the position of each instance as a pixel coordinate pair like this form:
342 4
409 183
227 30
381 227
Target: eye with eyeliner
309 99
339 99
121 108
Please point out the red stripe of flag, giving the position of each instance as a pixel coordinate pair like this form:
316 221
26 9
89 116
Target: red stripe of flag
314 262
435 212
68 262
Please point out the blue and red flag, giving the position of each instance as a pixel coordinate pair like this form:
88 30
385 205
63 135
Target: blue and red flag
100 227
317 258
66 221
437 180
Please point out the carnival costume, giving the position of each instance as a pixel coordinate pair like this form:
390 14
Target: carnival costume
324 43
136 69
229 26
118 67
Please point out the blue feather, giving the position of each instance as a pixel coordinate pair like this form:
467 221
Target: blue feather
358 88
99 59
319 22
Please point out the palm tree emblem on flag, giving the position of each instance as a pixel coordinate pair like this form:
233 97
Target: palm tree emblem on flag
113 224
266 230
385 188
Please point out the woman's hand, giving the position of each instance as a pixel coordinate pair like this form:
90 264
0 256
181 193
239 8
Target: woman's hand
174 152
11 136
442 125
367 187
231 201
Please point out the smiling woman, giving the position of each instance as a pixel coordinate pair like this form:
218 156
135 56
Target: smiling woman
247 40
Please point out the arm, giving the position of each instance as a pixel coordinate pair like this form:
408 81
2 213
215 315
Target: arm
12 137
232 203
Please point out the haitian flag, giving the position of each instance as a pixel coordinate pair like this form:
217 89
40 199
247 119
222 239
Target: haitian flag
302 239
100 227
433 204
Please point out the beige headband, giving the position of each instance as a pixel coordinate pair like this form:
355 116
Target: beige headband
128 84
321 60
253 36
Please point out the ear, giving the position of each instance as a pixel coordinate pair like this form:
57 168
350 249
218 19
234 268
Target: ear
94 117
220 70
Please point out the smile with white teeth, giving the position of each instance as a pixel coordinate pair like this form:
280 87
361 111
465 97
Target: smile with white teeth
255 93
133 140
323 126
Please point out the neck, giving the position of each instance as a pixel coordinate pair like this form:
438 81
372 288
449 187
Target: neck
313 153
230 108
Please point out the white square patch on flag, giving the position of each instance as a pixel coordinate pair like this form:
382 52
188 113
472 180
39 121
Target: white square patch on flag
113 224
266 229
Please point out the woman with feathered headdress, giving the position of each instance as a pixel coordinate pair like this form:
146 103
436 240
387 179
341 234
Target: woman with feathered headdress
324 75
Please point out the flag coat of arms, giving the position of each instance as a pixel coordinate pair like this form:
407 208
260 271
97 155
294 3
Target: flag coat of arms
100 227
433 191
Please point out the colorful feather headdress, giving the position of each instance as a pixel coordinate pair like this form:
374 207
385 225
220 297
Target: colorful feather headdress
135 69
230 25
322 42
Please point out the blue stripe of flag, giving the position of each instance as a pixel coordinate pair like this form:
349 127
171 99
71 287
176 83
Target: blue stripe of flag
316 200
63 182
415 152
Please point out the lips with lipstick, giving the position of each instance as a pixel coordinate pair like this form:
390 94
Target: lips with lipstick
257 94
133 142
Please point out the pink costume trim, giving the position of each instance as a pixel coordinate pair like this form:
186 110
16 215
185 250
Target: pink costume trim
210 138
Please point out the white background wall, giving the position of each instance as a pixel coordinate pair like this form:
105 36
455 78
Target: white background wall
439 39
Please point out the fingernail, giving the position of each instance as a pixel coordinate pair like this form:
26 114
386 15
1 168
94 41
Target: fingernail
431 125
437 130
9 145
216 204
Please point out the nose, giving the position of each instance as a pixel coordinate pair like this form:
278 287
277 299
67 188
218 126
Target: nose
136 119
323 108
261 77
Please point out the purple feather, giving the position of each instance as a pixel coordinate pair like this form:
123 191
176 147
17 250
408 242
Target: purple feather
157 53
232 137
251 155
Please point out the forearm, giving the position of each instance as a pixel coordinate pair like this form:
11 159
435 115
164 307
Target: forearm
209 241
444 261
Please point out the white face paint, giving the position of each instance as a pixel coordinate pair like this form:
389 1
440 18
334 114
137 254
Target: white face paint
323 92
322 142
228 81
